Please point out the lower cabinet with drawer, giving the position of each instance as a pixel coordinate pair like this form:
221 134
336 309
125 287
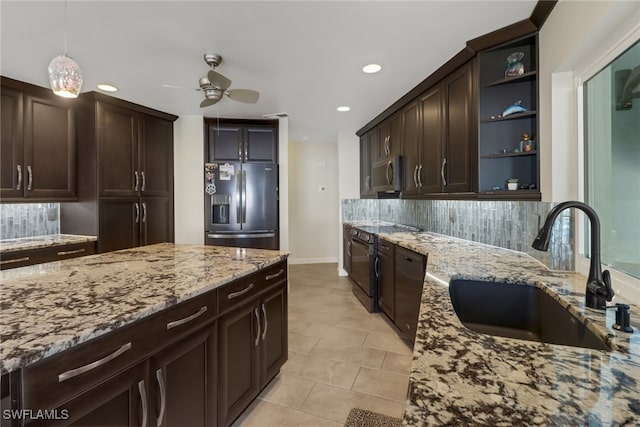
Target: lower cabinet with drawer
42 255
197 364
252 344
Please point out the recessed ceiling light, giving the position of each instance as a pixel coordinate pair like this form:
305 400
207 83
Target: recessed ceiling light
107 87
371 68
343 108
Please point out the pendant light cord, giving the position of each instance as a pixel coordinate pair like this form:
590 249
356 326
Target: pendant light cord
65 28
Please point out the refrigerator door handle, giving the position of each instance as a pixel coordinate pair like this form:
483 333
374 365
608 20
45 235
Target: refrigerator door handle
238 201
244 197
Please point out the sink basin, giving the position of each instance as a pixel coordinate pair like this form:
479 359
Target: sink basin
519 311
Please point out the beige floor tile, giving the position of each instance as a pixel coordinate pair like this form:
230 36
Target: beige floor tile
298 326
398 363
337 309
301 343
355 354
326 371
334 403
382 384
370 322
335 333
388 342
266 414
311 315
287 390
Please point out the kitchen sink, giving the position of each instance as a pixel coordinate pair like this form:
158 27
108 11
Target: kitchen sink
519 311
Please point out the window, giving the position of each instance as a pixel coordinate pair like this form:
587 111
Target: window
612 158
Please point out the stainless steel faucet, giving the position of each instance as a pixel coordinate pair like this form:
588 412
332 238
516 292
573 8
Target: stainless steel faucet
599 289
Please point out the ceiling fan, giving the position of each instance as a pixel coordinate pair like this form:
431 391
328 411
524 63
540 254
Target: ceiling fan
214 85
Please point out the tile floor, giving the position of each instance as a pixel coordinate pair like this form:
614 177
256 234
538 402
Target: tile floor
340 357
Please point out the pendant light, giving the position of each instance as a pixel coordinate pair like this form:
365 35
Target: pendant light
65 76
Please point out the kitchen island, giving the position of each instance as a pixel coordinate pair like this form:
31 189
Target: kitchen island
134 311
462 377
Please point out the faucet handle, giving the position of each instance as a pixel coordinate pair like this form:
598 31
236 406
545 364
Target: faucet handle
606 278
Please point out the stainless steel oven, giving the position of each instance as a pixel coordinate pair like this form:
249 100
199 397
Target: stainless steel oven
362 268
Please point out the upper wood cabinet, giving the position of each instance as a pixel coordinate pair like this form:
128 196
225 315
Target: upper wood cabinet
135 152
438 137
38 144
368 152
242 142
389 137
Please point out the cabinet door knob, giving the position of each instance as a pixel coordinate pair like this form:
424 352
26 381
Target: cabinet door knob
137 213
144 181
30 173
264 315
143 398
415 176
19 177
144 212
255 311
444 162
137 181
163 397
420 175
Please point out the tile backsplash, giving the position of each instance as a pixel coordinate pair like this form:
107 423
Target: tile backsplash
29 219
510 225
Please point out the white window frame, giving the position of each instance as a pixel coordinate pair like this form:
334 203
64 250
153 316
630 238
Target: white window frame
623 283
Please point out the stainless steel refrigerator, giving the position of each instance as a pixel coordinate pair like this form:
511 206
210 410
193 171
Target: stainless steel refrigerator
241 204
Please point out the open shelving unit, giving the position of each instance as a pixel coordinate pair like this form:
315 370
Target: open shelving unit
499 137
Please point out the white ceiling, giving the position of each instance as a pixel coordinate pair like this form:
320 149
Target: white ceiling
305 57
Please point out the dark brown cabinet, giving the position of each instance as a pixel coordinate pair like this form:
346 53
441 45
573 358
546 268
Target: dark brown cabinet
242 142
38 144
368 153
121 401
389 137
409 278
184 382
411 148
125 174
385 273
346 248
447 135
252 342
42 255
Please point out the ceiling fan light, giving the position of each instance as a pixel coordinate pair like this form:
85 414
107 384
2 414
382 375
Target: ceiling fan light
371 68
65 76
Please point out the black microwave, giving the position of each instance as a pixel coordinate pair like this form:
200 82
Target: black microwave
386 175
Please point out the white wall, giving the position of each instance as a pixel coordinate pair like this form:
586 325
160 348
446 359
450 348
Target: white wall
313 202
188 170
283 181
349 178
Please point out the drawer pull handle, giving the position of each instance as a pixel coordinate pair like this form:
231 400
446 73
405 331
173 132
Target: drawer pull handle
163 397
12 261
76 251
143 399
188 319
255 311
233 295
273 276
264 314
86 368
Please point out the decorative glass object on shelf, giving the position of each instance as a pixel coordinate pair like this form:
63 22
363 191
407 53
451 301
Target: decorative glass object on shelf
526 144
514 66
516 107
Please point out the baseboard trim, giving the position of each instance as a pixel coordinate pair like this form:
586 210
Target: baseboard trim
313 260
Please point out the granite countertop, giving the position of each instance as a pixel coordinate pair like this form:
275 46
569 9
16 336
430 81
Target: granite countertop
461 377
38 242
46 311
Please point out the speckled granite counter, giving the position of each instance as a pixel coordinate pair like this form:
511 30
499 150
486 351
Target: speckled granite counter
45 311
461 377
37 242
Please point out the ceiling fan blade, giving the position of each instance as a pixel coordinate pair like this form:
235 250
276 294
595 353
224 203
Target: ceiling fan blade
207 102
244 95
218 80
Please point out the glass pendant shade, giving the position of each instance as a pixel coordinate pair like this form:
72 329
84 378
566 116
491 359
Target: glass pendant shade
65 76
